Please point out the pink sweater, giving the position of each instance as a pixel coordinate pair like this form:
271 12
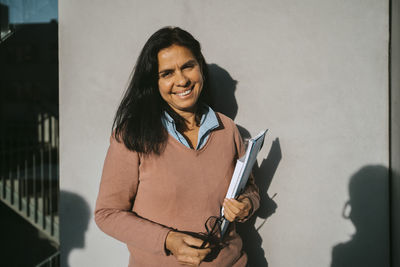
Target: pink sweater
142 197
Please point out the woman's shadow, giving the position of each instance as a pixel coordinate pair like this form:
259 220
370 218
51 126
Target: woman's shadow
367 208
223 88
75 216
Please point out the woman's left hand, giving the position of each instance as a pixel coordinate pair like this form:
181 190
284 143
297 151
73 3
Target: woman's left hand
236 209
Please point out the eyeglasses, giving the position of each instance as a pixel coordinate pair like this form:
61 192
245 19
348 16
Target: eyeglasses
212 237
213 232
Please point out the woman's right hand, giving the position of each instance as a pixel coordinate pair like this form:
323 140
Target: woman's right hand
186 248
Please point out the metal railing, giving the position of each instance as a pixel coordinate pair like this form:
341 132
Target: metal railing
52 261
29 175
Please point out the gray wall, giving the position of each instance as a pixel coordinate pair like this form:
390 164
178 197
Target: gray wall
395 131
313 72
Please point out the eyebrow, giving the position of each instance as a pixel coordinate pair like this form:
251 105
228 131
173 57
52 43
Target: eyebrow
189 62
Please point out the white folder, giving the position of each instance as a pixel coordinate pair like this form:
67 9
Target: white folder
242 172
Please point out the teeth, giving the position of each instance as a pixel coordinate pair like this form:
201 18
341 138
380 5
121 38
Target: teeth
185 92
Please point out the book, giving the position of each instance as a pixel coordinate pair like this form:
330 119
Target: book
242 171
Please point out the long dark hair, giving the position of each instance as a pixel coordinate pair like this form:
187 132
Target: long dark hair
138 118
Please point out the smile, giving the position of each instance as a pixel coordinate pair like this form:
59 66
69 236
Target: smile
186 92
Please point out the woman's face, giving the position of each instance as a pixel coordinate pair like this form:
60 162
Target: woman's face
180 80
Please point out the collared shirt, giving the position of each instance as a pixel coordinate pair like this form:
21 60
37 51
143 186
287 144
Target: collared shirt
208 123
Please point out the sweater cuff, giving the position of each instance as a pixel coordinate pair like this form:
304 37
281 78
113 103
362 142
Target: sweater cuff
254 206
163 236
166 251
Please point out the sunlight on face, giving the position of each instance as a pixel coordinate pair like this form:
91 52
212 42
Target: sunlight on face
180 79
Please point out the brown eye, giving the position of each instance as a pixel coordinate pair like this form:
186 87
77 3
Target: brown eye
188 66
166 74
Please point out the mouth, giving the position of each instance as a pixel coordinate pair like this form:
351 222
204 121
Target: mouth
185 92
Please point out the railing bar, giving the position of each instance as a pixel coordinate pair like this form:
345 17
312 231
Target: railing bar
42 187
50 194
34 187
54 131
3 161
10 174
50 130
3 176
2 149
55 257
58 135
11 178
26 189
41 126
19 188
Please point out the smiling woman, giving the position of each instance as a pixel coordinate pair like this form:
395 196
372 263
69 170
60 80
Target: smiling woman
180 80
170 161
180 84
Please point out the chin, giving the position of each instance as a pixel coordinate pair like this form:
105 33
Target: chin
185 108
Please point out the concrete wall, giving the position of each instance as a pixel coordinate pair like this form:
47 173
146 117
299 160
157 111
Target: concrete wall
314 72
395 131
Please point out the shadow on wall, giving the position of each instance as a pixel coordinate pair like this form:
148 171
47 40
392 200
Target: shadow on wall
75 215
223 88
368 210
252 241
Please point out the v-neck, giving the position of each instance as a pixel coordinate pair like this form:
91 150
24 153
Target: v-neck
208 123
209 139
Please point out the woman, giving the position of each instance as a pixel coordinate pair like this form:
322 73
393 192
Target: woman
170 161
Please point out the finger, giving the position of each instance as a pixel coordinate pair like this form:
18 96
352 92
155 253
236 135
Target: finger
246 202
185 263
203 257
237 203
197 252
228 214
193 252
206 245
192 241
241 197
228 208
188 261
234 206
195 258
203 253
239 213
189 250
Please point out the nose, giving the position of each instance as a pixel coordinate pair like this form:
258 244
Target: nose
182 80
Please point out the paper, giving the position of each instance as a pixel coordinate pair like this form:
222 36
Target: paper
242 172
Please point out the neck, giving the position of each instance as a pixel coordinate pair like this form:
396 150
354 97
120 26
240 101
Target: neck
190 119
189 116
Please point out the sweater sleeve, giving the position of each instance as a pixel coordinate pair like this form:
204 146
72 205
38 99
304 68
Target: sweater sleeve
251 190
113 212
